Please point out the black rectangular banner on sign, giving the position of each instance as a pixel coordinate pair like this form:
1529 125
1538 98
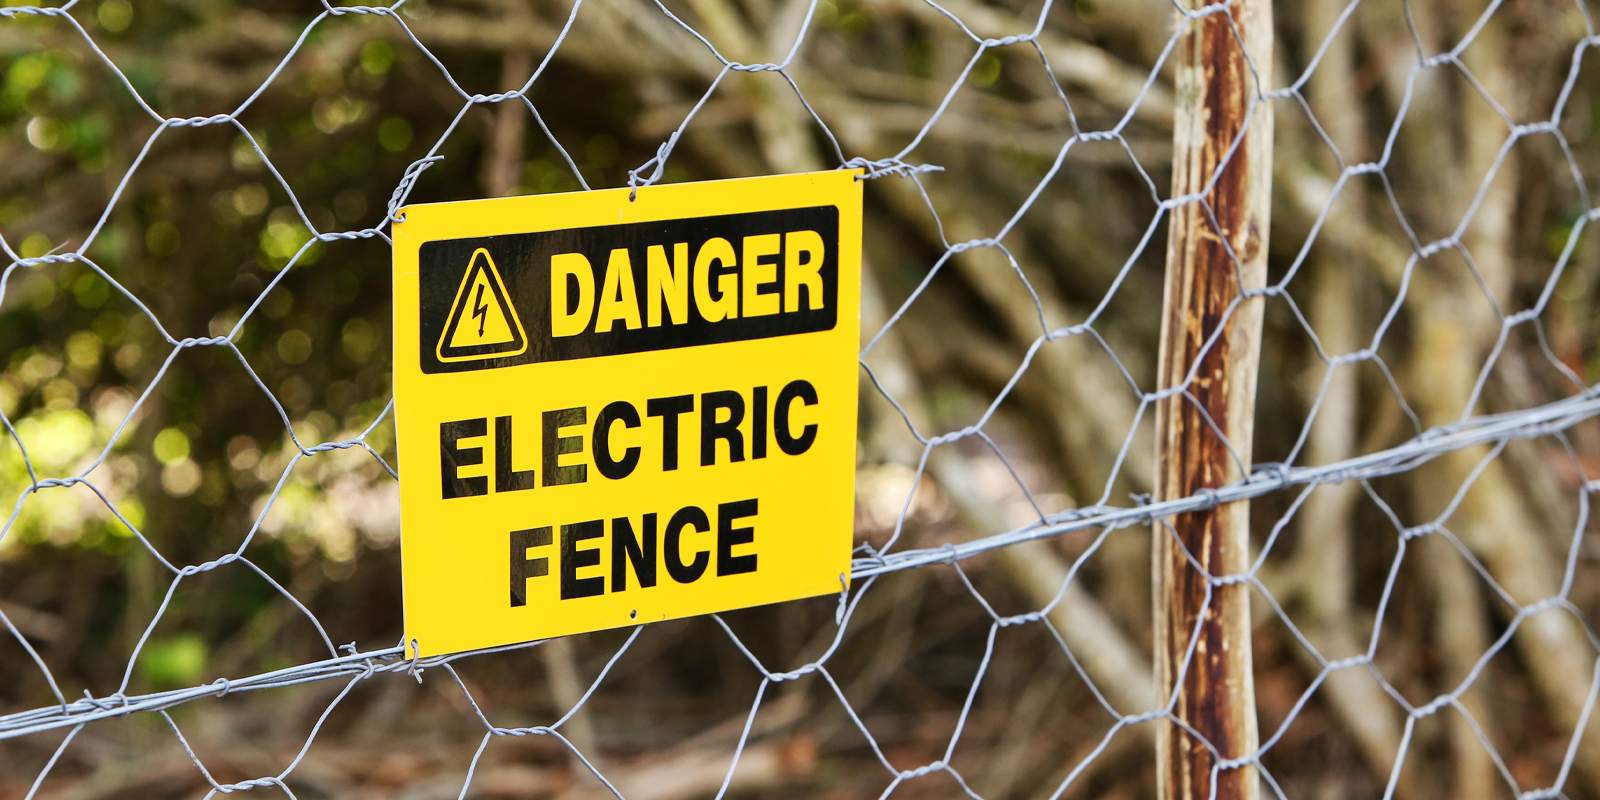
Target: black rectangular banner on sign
502 301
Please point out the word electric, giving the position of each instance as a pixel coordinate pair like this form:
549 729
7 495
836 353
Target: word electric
636 408
722 429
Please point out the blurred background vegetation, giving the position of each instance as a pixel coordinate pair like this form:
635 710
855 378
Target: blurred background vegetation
194 226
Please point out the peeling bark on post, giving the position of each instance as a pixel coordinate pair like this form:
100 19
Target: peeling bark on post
1206 261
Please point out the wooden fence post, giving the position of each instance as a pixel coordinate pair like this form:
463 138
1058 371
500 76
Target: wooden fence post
1209 252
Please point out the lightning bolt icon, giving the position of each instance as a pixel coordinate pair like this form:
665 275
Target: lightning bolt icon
480 310
482 322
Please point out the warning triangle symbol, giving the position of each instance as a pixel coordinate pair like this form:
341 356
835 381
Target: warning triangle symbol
482 321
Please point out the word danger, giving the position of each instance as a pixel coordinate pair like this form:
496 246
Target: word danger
719 270
637 545
490 302
714 419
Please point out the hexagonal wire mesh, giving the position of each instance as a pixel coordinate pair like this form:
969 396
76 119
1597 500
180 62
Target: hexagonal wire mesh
1530 590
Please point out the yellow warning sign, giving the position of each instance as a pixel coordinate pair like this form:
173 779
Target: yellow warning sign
482 322
613 411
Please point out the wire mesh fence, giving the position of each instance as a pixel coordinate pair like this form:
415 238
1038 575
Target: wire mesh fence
1433 443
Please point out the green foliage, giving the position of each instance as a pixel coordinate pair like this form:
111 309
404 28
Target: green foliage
394 134
171 446
115 15
178 661
196 236
986 71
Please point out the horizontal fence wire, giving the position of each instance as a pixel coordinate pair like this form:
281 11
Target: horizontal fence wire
1537 422
1482 436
